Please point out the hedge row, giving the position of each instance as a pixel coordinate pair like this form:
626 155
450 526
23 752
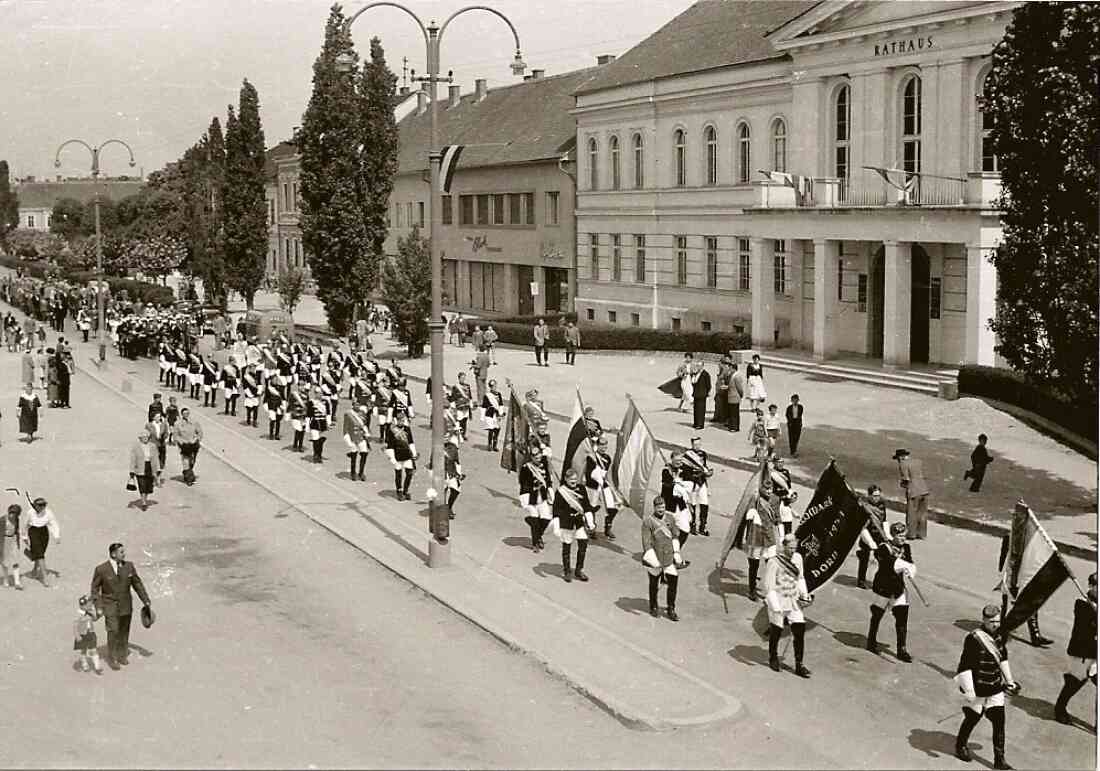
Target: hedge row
1009 386
602 337
142 291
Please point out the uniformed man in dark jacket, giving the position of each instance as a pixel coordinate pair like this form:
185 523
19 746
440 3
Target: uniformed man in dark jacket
1082 649
895 563
983 677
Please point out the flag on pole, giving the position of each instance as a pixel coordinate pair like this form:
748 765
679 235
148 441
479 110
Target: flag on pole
752 489
1034 569
829 528
635 454
447 166
515 434
575 452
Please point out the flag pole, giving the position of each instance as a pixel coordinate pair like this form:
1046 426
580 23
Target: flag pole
1054 548
592 450
641 417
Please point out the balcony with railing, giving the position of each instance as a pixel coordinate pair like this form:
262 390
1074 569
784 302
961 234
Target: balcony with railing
876 187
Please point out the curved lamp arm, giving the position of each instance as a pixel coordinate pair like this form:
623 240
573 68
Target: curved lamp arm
57 156
120 142
357 14
517 64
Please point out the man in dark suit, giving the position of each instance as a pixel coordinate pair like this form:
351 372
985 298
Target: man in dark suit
700 392
111 585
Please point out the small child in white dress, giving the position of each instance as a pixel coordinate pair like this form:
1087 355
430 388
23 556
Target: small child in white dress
84 637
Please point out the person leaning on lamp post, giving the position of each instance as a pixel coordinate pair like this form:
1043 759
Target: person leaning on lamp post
983 677
661 556
785 594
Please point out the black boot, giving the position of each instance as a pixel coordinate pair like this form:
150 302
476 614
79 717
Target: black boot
773 646
397 483
351 464
654 584
872 630
1037 638
316 450
970 719
452 496
607 520
1070 687
799 633
299 440
271 429
533 523
582 549
754 568
693 530
408 483
862 558
673 582
901 627
543 524
704 511
362 467
996 716
567 571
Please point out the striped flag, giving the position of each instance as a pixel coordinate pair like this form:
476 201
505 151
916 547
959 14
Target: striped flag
447 166
514 447
575 452
1034 569
752 489
635 454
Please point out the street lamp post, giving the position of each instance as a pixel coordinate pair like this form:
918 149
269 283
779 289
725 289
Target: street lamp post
101 332
439 523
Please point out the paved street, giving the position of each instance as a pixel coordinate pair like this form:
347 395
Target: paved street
253 610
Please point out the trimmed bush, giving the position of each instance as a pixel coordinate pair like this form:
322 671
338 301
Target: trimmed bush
136 290
1009 386
601 337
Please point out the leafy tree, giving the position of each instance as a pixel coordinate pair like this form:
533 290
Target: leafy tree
154 256
245 205
291 286
30 244
1042 94
9 203
407 290
332 217
205 175
67 219
114 260
378 162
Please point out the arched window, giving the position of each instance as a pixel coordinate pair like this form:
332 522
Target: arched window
842 135
639 162
616 177
680 150
985 130
710 136
779 145
593 165
744 153
911 124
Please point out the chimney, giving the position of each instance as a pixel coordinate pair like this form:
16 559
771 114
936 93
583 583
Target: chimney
537 74
603 59
422 101
454 96
480 89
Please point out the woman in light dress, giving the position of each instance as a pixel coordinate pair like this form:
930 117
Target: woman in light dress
754 378
684 373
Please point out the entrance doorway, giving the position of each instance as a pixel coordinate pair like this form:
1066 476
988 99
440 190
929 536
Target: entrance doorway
557 290
525 274
919 300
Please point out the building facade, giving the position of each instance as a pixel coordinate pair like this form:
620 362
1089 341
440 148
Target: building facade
287 235
507 232
817 174
37 198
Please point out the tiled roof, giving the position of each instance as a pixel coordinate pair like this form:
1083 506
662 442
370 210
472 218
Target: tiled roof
527 121
709 34
43 195
285 149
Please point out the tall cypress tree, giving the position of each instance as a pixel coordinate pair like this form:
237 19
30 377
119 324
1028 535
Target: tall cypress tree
9 203
1044 98
208 211
245 207
378 166
332 222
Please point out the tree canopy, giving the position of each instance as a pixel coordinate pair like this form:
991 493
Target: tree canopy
245 206
407 290
1042 94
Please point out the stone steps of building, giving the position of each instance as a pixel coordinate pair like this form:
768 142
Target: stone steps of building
906 379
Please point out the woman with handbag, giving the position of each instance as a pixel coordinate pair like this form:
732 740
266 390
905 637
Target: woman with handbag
41 527
144 468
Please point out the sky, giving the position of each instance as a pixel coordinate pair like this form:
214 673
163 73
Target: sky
154 72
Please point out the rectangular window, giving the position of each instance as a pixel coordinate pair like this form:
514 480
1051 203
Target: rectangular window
840 280
616 258
30 220
552 208
271 211
409 221
514 213
675 324
744 264
420 212
780 266
594 254
529 208
294 196
399 214
483 209
635 320
465 210
706 327
298 254
498 209
286 196
612 317
590 314
712 261
861 294
639 259
935 290
445 210
681 260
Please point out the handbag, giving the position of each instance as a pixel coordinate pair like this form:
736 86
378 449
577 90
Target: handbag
131 485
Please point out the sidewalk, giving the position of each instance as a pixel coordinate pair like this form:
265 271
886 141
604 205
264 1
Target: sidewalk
859 425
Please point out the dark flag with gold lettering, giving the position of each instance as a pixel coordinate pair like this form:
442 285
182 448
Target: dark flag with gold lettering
830 527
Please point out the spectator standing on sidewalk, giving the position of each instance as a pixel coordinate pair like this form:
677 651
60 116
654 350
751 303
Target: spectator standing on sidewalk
722 389
911 478
477 338
491 338
481 371
572 343
979 459
794 423
700 392
754 374
735 394
541 332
